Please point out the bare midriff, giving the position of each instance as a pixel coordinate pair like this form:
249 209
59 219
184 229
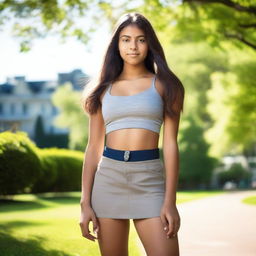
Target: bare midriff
132 139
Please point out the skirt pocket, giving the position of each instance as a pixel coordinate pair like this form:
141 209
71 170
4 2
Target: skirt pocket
155 167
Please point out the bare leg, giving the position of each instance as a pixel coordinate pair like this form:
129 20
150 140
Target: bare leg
113 236
153 237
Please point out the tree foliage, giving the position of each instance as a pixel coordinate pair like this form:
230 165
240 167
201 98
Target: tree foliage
39 131
213 20
196 166
221 20
231 105
71 115
33 19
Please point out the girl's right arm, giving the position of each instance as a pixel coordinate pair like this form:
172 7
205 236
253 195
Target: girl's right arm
92 157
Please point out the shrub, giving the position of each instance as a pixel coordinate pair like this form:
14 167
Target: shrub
235 173
19 163
24 168
48 175
61 170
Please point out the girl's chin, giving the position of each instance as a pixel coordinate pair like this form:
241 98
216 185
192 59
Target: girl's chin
134 61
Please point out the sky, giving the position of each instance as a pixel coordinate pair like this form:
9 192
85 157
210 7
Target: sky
49 56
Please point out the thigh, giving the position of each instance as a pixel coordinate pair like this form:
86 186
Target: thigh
153 237
113 236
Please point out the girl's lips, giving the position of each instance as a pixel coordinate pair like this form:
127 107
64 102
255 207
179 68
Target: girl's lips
133 55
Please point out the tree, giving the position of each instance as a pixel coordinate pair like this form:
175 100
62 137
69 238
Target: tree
224 20
71 115
39 131
244 106
32 19
194 63
196 166
232 104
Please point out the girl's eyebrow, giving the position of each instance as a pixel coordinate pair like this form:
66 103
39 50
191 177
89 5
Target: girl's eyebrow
130 36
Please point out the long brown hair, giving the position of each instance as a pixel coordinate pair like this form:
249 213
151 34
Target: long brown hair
155 62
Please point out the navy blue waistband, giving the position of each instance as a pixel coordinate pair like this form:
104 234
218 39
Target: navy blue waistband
131 155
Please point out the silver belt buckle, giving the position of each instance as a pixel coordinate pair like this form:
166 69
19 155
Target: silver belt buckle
126 155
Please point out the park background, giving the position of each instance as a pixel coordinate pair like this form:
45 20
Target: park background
51 49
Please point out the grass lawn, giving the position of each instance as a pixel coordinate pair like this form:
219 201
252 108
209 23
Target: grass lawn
47 224
250 200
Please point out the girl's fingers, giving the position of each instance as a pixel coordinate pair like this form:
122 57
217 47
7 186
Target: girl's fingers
171 228
89 236
95 224
176 228
165 223
86 232
170 225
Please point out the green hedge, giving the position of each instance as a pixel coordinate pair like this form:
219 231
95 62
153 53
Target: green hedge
19 163
24 168
62 170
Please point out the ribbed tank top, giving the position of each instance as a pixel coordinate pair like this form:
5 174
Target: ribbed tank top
141 110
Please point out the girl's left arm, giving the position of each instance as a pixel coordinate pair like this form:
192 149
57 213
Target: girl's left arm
169 213
171 157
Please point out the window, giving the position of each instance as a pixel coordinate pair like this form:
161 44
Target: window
25 108
12 108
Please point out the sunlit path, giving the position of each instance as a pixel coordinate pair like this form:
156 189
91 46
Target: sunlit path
219 225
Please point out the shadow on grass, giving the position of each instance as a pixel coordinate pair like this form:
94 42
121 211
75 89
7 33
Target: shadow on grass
16 224
61 199
44 200
10 245
7 205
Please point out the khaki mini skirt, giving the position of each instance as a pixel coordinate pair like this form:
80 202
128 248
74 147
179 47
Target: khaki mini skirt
128 190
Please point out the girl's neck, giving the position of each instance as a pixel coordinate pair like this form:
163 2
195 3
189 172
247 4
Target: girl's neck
133 72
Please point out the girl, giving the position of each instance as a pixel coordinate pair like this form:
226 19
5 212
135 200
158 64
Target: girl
125 179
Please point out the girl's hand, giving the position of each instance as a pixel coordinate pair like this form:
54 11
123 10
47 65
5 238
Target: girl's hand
87 215
170 219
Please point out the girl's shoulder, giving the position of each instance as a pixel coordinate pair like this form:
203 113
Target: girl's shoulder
103 94
159 87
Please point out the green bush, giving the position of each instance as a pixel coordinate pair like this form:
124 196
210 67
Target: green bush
24 168
61 170
48 175
19 163
235 173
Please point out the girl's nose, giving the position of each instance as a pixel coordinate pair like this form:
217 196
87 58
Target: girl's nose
133 45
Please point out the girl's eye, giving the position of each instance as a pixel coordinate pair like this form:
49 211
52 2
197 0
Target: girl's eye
127 40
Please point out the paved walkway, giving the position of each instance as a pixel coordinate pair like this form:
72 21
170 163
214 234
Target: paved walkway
218 226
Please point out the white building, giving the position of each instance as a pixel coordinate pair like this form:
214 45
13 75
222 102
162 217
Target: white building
21 102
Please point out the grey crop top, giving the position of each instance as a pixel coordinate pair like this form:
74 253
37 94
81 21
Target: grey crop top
141 110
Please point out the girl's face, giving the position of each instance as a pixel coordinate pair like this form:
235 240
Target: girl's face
132 45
